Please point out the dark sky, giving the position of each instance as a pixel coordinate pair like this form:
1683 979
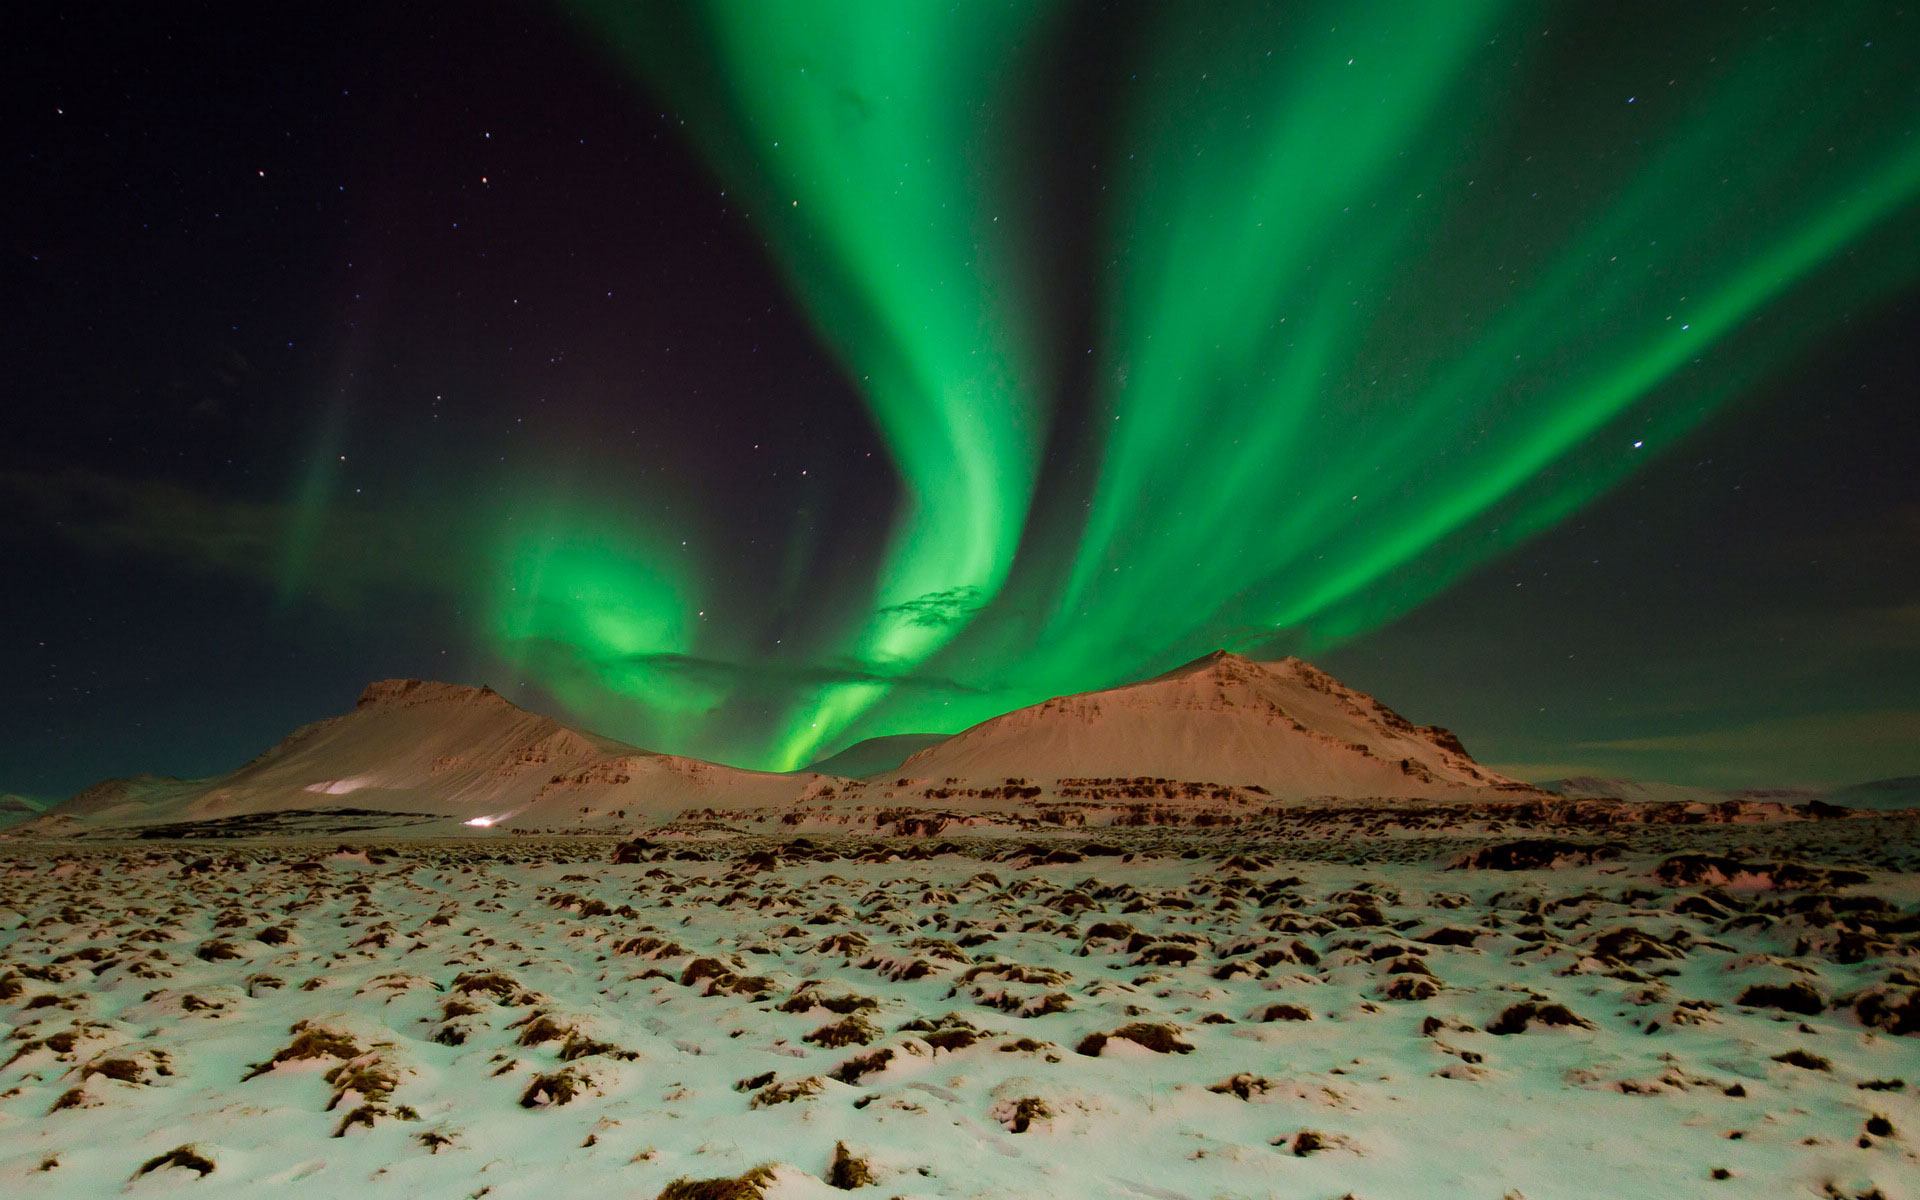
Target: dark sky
744 392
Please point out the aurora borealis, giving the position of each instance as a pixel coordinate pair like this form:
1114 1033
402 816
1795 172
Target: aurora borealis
1213 335
750 380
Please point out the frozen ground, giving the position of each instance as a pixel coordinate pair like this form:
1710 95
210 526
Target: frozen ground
1313 1017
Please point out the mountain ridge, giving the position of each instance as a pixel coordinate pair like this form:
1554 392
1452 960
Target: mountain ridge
1222 728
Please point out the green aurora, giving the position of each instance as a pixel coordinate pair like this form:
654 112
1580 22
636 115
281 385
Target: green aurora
1362 319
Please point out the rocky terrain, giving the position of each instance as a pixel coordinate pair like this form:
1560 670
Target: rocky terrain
1338 1007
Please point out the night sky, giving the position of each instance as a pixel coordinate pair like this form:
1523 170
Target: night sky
745 380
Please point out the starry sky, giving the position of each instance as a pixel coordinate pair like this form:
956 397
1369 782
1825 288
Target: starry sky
745 380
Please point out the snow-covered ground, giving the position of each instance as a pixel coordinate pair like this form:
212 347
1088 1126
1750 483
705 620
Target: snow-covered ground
1302 1018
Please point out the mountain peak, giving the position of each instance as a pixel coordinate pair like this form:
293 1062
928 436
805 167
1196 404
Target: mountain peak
406 693
1214 662
1227 665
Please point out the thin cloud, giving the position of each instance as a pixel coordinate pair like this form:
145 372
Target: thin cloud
935 610
358 558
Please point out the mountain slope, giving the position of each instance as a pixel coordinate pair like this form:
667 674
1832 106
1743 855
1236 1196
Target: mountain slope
876 754
451 751
1596 787
1284 726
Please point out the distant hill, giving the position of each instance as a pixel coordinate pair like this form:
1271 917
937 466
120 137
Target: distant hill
15 808
876 755
1879 794
1903 792
1596 787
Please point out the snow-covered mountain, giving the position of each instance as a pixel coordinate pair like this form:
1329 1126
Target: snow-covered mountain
1598 787
450 751
1884 794
1283 726
1903 792
1258 732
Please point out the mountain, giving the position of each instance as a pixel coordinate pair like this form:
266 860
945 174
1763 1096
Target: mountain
17 808
1903 792
1597 787
426 756
876 755
1285 727
449 751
